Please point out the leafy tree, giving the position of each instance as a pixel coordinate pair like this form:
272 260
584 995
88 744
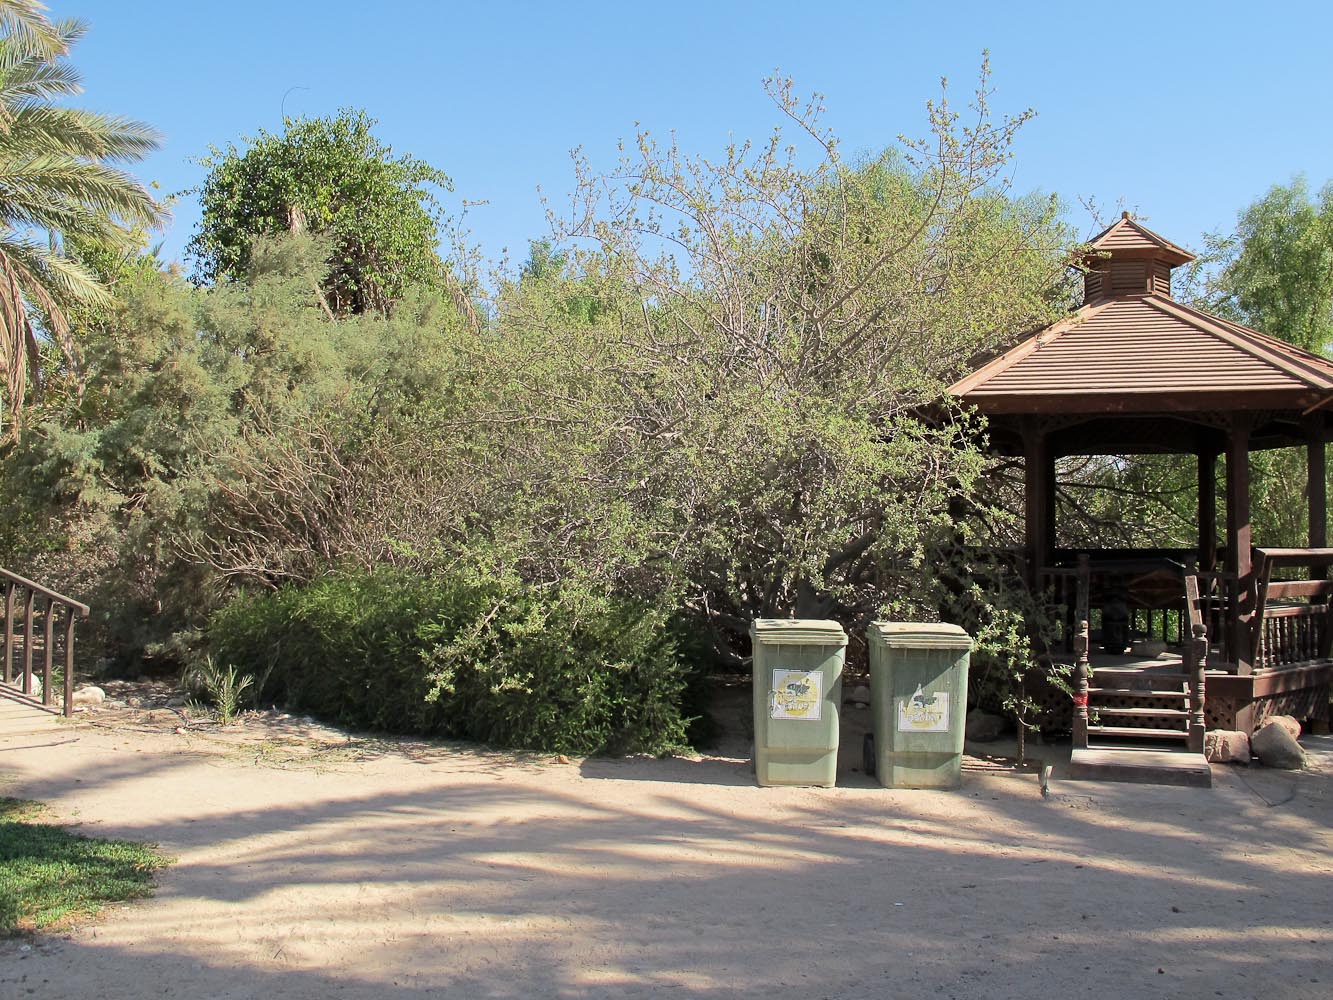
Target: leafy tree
332 178
1276 272
59 186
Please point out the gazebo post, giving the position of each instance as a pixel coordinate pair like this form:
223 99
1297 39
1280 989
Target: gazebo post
1037 466
1316 482
1238 536
1207 510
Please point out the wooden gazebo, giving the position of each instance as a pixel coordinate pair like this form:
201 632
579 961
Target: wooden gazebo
1135 372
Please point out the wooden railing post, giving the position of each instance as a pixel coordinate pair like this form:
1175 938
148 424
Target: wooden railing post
1198 653
1081 642
9 632
48 624
70 619
28 603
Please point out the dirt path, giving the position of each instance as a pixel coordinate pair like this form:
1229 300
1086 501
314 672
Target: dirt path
311 866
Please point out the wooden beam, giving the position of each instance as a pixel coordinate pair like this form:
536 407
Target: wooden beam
1239 537
1036 486
1207 510
1316 481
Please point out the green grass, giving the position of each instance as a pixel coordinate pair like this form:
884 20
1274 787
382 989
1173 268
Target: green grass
49 876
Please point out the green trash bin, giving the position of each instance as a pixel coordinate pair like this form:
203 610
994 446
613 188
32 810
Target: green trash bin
918 700
797 695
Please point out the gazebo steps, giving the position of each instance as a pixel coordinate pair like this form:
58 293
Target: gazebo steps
1144 767
1133 733
1123 692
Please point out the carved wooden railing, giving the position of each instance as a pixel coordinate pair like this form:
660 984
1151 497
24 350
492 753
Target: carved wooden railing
1214 602
42 615
1196 665
1292 617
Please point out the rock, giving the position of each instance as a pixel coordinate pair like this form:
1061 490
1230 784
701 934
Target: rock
860 695
90 695
983 726
1226 746
36 687
1149 648
177 701
1287 723
1276 747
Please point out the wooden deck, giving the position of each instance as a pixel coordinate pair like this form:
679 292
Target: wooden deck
20 716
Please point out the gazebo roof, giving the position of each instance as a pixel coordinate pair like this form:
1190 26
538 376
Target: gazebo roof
1133 350
1147 353
1128 237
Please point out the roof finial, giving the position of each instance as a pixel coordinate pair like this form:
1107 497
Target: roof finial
1124 215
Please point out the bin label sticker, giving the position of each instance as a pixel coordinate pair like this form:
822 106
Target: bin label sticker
796 694
924 713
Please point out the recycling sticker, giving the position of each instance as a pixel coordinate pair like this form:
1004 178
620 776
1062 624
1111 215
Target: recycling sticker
796 694
924 713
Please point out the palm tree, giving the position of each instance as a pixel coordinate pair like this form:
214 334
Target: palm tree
58 183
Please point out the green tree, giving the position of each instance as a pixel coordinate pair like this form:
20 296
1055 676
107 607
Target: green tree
1276 272
59 186
332 178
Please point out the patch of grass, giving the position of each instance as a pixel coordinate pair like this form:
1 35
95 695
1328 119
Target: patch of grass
49 876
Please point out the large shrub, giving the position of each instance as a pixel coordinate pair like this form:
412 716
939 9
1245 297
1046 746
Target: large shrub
567 670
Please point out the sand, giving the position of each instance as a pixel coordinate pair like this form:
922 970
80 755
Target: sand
311 864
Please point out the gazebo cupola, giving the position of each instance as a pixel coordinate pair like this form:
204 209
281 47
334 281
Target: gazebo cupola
1128 259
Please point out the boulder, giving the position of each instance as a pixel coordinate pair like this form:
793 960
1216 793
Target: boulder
1226 746
1276 747
90 695
983 726
1287 723
860 695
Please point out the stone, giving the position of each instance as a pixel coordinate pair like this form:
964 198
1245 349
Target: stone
177 701
983 726
1276 747
860 695
1149 648
1287 723
90 695
1226 746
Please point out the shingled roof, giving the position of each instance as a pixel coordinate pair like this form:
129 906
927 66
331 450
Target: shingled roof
1133 349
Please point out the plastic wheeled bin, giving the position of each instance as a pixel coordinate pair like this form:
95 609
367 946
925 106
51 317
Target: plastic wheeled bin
918 700
797 694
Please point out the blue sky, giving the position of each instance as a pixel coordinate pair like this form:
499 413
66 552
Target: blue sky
1187 112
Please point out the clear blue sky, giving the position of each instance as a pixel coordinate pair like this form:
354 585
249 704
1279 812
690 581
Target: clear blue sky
1186 111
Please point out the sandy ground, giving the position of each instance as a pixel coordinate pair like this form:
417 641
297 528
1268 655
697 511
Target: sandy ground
315 865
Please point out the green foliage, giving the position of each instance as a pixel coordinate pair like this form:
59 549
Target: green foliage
570 670
49 876
223 687
332 178
1275 273
60 184
225 433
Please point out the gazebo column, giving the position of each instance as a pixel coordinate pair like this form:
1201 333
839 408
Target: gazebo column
1238 538
1038 497
1316 481
1207 510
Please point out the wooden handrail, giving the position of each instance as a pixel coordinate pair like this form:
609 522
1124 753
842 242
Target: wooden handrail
50 601
37 588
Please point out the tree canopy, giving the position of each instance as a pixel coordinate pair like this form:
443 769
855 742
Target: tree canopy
60 189
332 178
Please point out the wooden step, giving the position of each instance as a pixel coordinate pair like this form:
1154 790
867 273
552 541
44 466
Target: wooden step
1146 675
1136 693
1153 713
1139 734
1149 767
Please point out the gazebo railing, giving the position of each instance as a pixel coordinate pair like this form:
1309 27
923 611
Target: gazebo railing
37 620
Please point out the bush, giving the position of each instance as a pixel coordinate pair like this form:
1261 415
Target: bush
565 670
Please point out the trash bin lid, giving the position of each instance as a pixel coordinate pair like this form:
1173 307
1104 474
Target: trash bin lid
916 635
810 631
